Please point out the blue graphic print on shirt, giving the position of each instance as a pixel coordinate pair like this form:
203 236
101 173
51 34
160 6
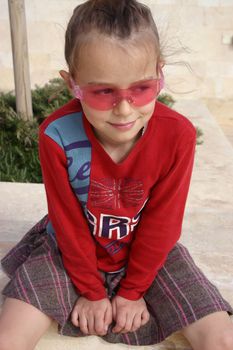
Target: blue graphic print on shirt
68 132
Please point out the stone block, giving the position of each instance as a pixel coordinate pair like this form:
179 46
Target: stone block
4 13
5 36
44 37
190 18
219 69
50 11
227 91
208 3
226 3
7 79
219 18
40 76
39 60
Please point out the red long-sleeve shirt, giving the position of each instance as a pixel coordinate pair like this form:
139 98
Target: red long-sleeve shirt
107 215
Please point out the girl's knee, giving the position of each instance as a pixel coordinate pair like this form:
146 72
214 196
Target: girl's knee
213 332
21 325
222 341
9 343
226 340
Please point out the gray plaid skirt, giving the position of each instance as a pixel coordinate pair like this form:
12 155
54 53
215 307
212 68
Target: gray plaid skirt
179 295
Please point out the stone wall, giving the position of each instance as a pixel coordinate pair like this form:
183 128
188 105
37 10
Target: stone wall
203 28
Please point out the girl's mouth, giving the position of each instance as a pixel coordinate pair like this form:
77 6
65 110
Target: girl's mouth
123 126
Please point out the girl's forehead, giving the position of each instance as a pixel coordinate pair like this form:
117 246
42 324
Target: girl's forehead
115 61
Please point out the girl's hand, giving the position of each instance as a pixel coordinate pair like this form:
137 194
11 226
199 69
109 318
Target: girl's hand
129 315
93 317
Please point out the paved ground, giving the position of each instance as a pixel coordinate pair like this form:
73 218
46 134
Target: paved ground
207 228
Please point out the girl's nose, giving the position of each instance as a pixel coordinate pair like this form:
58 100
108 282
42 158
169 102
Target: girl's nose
123 108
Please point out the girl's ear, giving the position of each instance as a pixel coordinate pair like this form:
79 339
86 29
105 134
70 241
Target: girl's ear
66 77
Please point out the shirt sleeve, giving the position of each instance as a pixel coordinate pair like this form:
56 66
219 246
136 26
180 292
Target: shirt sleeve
73 236
160 225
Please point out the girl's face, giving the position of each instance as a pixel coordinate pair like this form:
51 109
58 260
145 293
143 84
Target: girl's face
119 64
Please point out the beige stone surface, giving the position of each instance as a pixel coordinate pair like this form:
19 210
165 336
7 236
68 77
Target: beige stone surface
207 227
52 341
61 343
222 110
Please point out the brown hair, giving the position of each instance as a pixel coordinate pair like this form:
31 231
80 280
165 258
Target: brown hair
117 18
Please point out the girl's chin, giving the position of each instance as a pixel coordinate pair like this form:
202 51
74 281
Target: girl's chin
120 139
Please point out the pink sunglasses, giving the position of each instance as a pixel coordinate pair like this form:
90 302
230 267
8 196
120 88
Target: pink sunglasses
105 97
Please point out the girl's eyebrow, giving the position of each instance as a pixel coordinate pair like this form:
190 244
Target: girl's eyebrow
107 83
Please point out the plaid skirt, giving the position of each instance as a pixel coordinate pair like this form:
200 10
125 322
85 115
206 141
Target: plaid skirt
179 295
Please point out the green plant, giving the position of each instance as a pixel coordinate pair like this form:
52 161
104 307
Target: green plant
48 98
166 99
199 135
18 147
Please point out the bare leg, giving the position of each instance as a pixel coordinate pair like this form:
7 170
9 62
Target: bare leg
212 332
21 325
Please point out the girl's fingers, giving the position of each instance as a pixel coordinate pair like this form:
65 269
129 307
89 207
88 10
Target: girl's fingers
137 322
134 322
128 324
120 323
145 317
83 324
99 324
108 317
74 318
91 325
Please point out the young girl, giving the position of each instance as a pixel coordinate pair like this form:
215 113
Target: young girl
116 166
